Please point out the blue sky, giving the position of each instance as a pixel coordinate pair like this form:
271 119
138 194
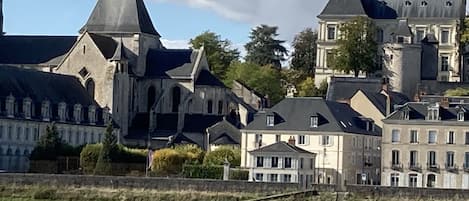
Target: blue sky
176 20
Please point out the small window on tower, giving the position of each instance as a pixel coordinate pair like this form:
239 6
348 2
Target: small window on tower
83 72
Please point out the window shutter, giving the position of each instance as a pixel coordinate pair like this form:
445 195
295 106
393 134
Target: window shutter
331 140
306 139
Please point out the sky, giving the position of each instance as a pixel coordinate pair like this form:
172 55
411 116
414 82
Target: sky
176 20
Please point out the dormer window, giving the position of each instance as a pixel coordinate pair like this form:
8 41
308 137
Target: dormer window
405 114
408 3
400 39
433 113
449 3
270 120
92 114
370 125
314 121
62 112
27 108
45 111
77 113
10 106
423 3
461 116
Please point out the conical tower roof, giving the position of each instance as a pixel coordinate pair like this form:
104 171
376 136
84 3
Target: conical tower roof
120 16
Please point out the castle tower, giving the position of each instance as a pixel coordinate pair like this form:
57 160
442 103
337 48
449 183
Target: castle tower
403 63
1 17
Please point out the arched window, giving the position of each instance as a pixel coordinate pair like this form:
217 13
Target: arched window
220 107
151 97
176 99
210 106
90 87
431 180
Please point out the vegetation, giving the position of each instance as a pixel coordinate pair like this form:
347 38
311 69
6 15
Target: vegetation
103 165
219 52
264 49
264 79
457 92
465 33
50 146
89 156
304 54
357 48
168 162
218 157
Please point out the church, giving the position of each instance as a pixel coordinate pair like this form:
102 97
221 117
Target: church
154 96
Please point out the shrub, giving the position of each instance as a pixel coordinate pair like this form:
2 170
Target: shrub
44 194
103 166
202 172
195 155
218 156
89 156
167 162
239 174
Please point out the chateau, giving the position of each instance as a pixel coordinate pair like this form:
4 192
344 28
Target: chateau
418 39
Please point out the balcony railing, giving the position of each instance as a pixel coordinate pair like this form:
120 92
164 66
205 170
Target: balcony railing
433 167
466 167
451 167
397 166
415 167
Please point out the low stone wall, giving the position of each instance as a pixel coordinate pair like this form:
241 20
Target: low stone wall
147 183
394 192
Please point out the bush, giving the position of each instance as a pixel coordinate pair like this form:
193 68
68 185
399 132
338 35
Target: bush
168 162
89 156
239 174
195 155
44 194
202 172
218 156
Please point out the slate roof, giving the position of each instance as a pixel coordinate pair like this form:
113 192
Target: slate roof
119 53
293 114
120 16
419 111
379 100
403 29
206 78
223 133
344 88
41 86
34 49
343 8
394 9
105 44
166 63
281 147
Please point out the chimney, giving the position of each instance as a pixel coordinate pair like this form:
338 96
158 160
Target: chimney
292 141
385 84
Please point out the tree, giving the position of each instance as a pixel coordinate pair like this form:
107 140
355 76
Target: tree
219 54
49 145
308 89
103 166
264 49
218 156
465 33
304 54
263 79
357 47
457 92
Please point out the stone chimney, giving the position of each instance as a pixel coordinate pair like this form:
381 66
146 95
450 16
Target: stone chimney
292 141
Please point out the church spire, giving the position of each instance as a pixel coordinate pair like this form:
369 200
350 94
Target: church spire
120 17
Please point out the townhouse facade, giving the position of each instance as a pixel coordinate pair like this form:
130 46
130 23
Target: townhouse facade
345 143
426 145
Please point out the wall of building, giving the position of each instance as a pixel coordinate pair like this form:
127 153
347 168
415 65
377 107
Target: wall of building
444 178
362 105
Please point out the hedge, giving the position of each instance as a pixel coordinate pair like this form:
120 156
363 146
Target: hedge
218 156
89 156
212 172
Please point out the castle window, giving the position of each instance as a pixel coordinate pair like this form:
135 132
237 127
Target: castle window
62 112
10 106
45 111
220 107
210 107
444 36
90 87
92 114
27 108
77 113
331 29
176 99
444 63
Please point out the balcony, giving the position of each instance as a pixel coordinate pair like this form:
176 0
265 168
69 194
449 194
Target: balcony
451 168
415 167
433 167
397 166
466 167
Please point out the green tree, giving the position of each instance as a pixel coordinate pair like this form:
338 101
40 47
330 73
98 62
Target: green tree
457 92
218 156
465 33
322 89
307 88
264 79
49 145
304 54
357 47
103 166
219 52
264 49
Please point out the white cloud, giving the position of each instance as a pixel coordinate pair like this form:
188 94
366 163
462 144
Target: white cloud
291 16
